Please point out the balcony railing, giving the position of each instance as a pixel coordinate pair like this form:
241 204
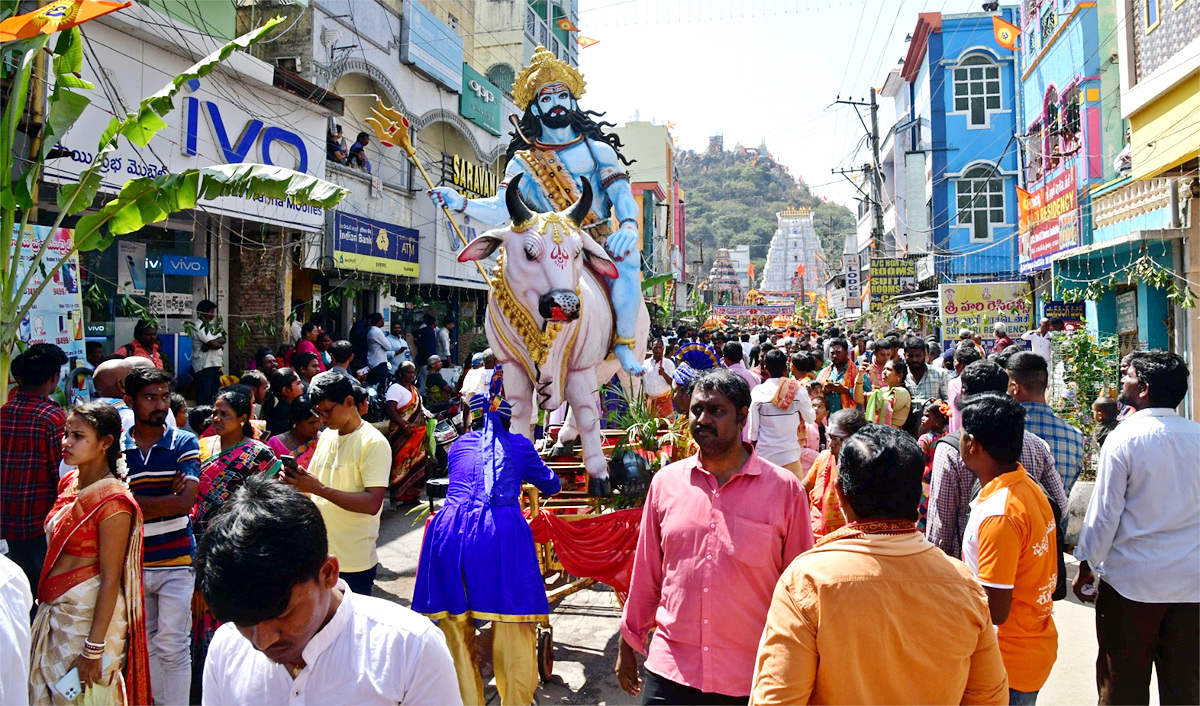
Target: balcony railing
1131 201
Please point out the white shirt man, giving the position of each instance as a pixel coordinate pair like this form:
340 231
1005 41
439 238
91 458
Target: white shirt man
1039 341
378 347
775 428
371 652
652 381
400 352
16 601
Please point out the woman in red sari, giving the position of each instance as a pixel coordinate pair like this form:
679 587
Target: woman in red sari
406 432
91 616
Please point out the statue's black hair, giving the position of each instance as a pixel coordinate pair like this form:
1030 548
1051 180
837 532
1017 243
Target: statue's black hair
531 126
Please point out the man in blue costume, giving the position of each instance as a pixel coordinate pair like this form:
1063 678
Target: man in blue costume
555 145
478 561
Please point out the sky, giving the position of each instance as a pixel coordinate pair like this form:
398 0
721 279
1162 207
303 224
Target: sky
754 69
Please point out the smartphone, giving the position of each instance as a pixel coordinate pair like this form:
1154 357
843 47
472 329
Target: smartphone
69 687
285 461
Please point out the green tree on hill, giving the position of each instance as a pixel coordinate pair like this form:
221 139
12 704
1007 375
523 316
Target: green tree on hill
733 196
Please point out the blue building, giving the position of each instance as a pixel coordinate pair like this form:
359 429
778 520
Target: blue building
963 116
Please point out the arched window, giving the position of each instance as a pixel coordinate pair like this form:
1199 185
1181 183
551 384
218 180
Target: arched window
502 76
980 192
977 89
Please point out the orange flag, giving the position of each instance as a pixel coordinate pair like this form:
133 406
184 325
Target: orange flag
566 25
1023 207
1006 33
750 270
585 42
54 17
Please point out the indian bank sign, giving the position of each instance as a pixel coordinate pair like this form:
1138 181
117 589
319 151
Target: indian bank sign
1049 221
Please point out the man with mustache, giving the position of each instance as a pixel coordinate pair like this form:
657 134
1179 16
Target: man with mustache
718 529
555 146
164 469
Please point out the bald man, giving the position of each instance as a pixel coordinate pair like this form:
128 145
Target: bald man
109 381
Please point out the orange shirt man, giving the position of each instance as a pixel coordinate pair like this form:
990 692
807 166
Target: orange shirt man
852 620
1010 542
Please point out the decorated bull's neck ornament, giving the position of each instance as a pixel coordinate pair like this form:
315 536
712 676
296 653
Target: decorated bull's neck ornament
537 341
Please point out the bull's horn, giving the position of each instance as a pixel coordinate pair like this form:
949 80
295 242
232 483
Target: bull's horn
579 211
517 210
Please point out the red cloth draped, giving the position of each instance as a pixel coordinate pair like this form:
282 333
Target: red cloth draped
598 548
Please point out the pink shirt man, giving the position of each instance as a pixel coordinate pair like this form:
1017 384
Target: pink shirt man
746 374
707 562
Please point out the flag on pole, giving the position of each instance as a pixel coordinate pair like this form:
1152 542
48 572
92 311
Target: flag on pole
1006 33
566 25
1023 208
585 42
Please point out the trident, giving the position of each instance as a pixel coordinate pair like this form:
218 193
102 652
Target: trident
391 127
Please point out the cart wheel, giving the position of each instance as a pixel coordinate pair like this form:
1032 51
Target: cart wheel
545 653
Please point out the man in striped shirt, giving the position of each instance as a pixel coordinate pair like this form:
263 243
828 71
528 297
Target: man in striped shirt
164 469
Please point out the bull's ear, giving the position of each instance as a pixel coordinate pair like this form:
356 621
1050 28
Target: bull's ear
482 246
597 258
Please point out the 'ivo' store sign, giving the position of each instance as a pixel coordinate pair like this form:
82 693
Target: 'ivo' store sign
253 143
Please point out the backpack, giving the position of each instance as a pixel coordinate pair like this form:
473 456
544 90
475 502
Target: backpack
1060 529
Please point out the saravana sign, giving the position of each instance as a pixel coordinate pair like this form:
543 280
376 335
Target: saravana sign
477 180
891 276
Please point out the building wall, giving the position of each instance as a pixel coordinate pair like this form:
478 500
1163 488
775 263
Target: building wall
958 147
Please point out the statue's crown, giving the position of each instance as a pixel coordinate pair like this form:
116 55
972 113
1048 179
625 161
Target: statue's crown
545 68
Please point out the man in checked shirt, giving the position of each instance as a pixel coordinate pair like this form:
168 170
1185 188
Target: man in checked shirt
31 430
952 486
718 529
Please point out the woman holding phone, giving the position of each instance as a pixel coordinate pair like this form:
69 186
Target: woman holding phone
226 459
301 440
91 620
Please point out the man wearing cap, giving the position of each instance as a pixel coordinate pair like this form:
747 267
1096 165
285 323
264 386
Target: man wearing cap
477 557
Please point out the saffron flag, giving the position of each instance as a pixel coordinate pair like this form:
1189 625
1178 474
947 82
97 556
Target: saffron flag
1006 33
55 17
1023 207
566 25
585 42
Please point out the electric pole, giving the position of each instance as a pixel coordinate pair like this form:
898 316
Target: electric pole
876 177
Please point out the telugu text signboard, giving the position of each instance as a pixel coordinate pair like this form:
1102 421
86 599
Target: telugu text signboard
891 276
374 246
1049 222
979 307
1067 311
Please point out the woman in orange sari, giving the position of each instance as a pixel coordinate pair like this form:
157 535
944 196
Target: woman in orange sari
91 616
826 508
406 432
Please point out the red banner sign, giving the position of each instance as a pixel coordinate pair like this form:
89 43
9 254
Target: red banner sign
1049 222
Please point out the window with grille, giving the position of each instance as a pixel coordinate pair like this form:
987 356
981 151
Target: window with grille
501 75
977 89
1049 23
980 194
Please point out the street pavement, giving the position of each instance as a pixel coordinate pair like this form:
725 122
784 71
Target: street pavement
586 631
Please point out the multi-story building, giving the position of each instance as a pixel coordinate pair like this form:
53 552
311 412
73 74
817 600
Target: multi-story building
652 177
961 162
794 259
1144 212
512 29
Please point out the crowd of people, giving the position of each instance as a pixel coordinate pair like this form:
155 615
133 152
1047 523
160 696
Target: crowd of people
836 505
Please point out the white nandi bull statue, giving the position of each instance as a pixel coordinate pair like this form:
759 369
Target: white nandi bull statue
549 320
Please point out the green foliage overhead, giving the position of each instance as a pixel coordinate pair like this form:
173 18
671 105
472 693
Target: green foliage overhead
732 199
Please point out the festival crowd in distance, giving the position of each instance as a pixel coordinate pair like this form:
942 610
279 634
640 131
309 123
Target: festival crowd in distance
837 503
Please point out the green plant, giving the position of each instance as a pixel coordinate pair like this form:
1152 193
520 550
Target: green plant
644 433
1086 367
139 202
1144 269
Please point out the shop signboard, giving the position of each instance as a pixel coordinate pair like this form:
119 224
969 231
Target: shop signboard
980 306
185 265
472 180
479 101
374 246
925 268
1049 222
731 311
431 46
1067 311
891 276
837 302
1127 313
217 120
853 281
57 314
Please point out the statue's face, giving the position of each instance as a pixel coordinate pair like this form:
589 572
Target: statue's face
554 105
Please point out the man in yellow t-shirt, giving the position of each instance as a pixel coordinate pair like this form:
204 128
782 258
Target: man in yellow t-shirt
347 478
1010 542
